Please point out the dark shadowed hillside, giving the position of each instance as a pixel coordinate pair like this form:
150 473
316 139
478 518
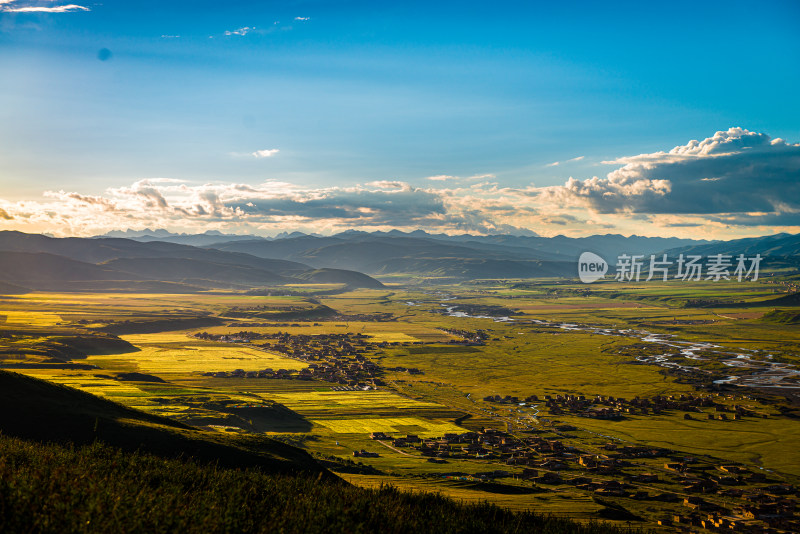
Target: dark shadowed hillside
337 276
102 250
195 271
779 245
36 262
461 256
35 269
35 409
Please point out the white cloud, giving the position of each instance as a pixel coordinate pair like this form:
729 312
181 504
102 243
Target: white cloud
481 176
735 183
241 31
302 19
69 8
267 153
557 163
389 184
735 171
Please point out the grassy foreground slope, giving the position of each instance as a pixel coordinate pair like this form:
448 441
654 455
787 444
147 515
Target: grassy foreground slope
119 470
50 488
40 410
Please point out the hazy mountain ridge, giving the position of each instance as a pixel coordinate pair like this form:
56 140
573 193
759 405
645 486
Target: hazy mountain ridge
33 261
461 256
105 263
98 250
191 270
778 245
208 237
339 276
33 267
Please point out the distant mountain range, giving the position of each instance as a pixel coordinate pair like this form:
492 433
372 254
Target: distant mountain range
198 240
460 257
495 256
151 261
32 261
778 245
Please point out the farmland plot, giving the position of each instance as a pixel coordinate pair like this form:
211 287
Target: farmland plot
173 353
396 425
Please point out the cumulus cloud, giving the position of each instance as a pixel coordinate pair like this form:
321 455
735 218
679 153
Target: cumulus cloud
736 181
302 19
271 205
274 206
389 184
446 177
734 171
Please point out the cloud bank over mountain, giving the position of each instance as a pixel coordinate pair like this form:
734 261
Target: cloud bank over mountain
744 175
734 182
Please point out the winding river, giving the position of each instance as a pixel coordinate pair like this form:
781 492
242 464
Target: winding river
761 371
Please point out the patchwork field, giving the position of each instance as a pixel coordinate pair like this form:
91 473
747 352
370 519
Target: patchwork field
402 332
348 400
32 319
398 425
176 354
428 374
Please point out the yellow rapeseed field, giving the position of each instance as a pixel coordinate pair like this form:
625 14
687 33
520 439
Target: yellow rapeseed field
24 318
176 353
398 425
316 400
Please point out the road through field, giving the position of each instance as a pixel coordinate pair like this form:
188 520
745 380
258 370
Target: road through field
398 450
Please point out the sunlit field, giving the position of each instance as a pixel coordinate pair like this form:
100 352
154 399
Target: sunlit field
396 425
178 375
447 268
171 356
33 319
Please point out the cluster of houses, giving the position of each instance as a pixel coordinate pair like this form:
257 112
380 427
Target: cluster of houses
750 500
266 325
608 407
383 317
468 337
365 454
767 510
488 443
409 370
335 358
264 373
308 347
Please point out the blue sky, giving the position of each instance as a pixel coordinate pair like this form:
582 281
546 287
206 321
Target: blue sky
357 105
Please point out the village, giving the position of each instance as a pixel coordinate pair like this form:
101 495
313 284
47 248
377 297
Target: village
609 407
334 358
701 493
538 451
